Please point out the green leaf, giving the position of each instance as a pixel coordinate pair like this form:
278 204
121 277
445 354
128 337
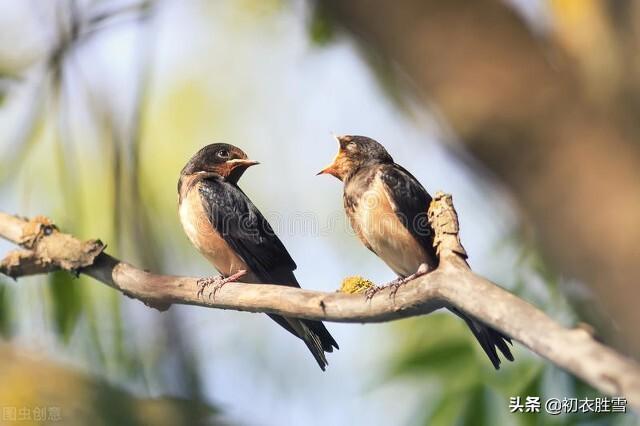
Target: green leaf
447 410
438 346
448 356
67 303
477 411
514 379
5 313
321 27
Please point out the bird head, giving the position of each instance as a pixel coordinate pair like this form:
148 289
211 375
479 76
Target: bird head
219 159
355 152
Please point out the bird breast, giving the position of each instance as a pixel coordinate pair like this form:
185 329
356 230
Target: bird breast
375 220
205 237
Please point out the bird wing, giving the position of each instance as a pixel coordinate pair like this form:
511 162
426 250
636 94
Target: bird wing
247 231
410 201
249 234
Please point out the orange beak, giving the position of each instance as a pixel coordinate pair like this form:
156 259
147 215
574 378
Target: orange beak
331 169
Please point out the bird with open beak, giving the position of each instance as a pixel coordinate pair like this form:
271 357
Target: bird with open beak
387 208
229 230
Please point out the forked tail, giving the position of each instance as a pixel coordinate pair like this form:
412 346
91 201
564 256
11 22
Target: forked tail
489 338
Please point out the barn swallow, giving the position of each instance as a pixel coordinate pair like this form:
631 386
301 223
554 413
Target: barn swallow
229 230
387 208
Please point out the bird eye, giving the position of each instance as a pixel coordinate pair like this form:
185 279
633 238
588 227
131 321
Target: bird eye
223 154
351 146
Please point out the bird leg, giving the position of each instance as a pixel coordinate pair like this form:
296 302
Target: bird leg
217 282
397 283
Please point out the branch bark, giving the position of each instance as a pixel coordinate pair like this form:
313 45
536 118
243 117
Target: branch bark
452 284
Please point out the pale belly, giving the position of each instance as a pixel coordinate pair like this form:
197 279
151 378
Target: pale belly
207 240
386 234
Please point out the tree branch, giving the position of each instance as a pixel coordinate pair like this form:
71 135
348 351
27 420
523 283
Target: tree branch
452 284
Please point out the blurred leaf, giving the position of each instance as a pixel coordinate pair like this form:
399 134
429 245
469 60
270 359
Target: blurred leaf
436 359
446 411
440 348
477 411
321 27
121 355
93 343
67 303
5 313
84 399
532 388
515 379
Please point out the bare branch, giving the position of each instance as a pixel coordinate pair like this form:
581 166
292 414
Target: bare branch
452 284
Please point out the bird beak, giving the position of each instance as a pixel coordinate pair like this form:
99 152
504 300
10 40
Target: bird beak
331 168
241 162
235 168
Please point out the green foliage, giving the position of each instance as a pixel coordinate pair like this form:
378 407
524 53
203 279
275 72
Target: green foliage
321 26
67 303
5 318
460 387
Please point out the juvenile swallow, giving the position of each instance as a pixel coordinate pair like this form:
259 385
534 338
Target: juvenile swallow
229 230
387 208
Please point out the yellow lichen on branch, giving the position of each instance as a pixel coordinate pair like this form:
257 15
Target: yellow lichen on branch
356 285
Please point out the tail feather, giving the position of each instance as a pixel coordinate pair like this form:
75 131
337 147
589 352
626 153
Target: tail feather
315 347
313 342
489 339
317 327
313 333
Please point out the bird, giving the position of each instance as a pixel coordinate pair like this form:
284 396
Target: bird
387 208
230 232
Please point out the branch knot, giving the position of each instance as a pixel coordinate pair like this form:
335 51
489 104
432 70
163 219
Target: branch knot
48 249
444 221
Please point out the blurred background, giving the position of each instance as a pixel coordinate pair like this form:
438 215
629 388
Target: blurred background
525 110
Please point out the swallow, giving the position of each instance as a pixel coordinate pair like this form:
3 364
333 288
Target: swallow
231 233
387 208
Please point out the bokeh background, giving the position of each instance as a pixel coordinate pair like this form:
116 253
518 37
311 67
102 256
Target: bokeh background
525 110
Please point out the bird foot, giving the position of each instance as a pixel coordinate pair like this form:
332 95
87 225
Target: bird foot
372 291
217 282
397 283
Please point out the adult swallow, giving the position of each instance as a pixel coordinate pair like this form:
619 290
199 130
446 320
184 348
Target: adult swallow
229 230
387 208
